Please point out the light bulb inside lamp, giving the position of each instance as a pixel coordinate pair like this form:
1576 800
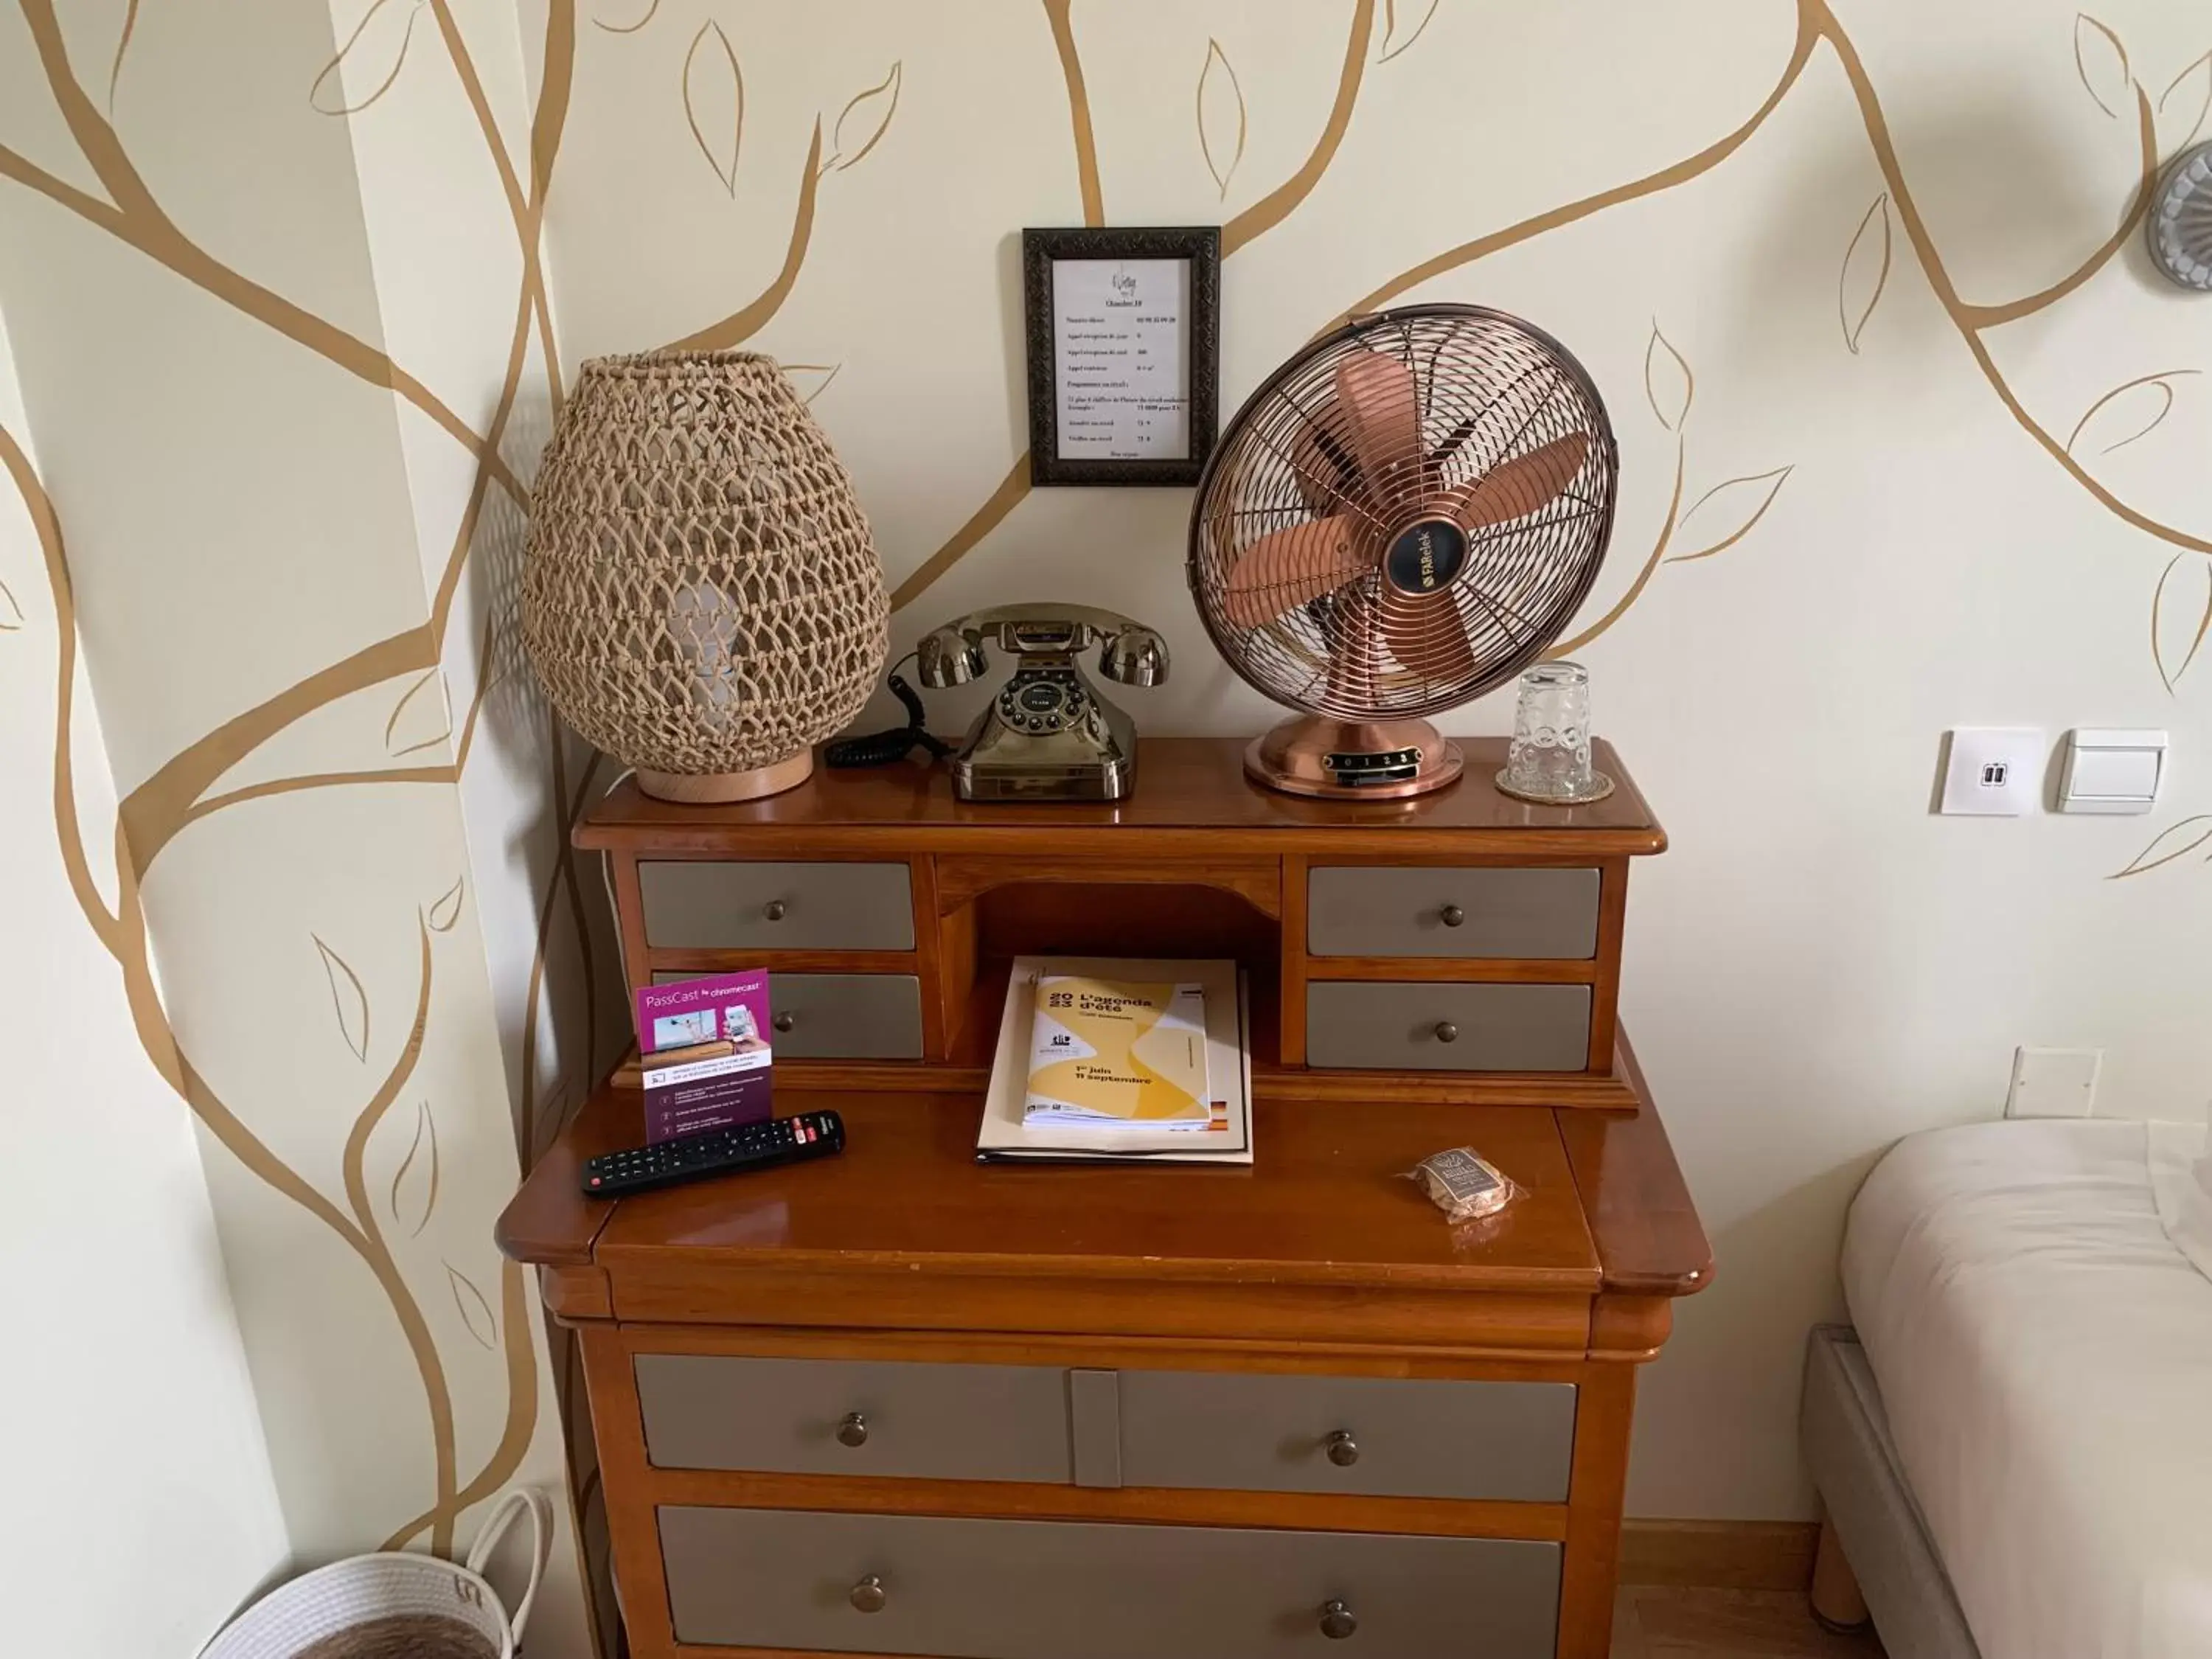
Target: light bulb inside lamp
702 621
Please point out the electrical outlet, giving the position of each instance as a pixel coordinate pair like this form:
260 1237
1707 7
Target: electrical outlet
2053 1082
1993 771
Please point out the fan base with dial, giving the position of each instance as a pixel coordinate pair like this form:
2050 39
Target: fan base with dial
1353 760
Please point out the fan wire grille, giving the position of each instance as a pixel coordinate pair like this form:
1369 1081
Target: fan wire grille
1329 443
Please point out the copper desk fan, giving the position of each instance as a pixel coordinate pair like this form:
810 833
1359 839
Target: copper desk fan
1400 519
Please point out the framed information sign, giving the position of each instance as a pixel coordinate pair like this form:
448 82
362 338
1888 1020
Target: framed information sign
1124 353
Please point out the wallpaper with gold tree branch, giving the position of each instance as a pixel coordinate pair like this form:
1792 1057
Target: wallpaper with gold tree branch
303 925
1866 301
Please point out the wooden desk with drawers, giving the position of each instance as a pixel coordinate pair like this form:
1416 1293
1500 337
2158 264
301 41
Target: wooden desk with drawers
896 1402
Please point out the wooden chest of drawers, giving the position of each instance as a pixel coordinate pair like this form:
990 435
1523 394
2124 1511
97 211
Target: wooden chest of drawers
897 1402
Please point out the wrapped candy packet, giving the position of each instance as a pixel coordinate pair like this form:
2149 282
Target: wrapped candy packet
1464 1186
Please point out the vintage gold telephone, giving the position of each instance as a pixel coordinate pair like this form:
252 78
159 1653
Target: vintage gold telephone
1048 735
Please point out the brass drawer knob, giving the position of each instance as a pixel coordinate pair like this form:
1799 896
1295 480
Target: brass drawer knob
1343 1450
1451 916
853 1430
783 1022
775 910
1446 1031
1336 1620
868 1594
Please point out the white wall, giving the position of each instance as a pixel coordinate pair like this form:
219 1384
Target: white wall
1817 966
140 1509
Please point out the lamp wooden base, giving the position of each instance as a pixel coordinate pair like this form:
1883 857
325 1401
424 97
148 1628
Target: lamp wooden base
714 788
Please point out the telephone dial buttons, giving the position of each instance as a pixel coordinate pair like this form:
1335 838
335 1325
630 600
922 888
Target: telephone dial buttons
1052 700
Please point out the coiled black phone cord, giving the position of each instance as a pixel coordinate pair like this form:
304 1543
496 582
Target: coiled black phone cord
885 748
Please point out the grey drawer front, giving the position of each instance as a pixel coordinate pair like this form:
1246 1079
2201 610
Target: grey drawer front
841 1016
1501 1028
1015 1590
1408 1438
846 1016
1358 911
923 1421
708 904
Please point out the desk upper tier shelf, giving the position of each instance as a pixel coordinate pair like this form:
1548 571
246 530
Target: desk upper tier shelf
1460 947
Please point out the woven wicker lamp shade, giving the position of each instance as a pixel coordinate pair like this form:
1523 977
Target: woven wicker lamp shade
700 596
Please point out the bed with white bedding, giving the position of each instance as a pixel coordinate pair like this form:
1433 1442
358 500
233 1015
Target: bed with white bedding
2032 1303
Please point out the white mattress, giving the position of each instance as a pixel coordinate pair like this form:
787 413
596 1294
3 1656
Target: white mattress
2042 1341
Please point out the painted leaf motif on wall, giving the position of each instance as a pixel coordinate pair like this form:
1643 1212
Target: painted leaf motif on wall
446 909
1413 16
547 1118
414 1183
811 379
2102 62
475 1312
2187 97
11 614
2180 614
1737 506
1221 116
1865 274
2175 841
865 119
633 26
348 1000
371 57
122 46
2129 411
715 102
1667 381
420 718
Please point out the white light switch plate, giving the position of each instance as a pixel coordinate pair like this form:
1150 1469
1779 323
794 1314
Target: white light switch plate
2110 771
1993 771
2053 1082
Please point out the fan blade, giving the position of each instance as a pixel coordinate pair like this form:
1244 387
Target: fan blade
1287 568
1377 394
1460 433
1321 460
1427 635
1515 489
1355 649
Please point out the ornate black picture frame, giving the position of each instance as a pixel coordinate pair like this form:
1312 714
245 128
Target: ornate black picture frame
1198 244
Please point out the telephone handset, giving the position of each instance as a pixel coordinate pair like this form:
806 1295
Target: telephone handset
1048 734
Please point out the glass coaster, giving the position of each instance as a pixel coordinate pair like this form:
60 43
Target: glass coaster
1599 787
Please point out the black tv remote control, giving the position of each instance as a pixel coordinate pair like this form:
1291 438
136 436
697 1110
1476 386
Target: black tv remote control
716 1152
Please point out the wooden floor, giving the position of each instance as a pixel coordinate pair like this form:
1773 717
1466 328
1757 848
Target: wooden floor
1670 1622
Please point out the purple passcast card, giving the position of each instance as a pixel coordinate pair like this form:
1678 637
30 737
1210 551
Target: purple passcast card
704 1045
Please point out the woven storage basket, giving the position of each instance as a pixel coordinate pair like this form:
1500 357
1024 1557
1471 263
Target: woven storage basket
396 1606
700 593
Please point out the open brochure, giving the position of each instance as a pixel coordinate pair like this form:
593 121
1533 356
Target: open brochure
1118 1054
1007 1133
